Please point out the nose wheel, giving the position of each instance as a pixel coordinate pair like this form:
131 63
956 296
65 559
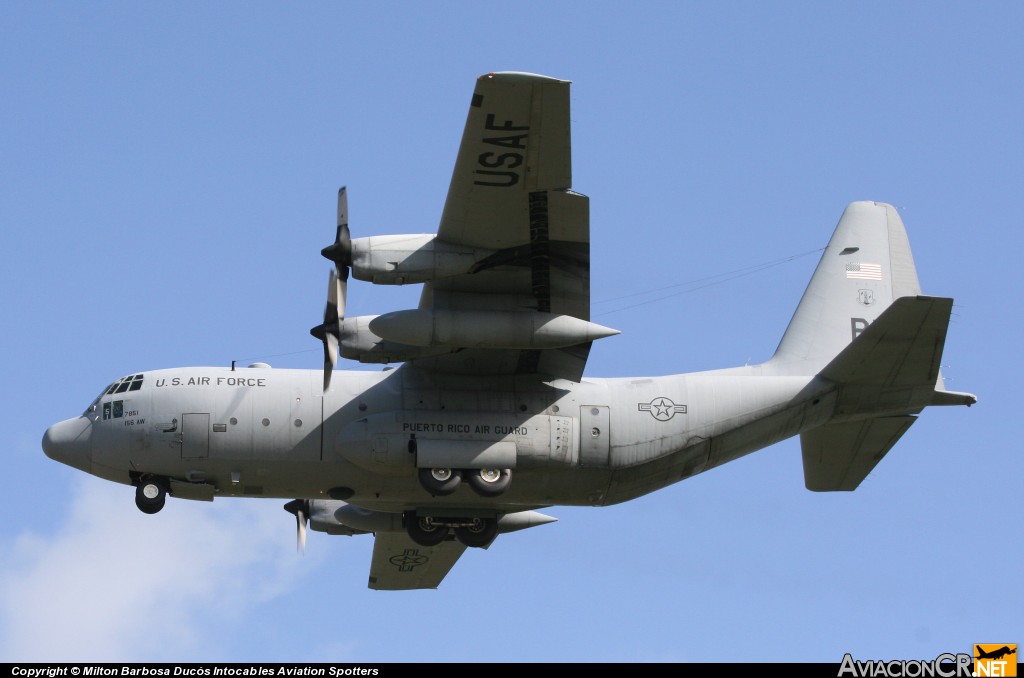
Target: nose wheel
150 495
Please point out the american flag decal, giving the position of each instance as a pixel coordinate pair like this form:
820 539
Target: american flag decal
864 271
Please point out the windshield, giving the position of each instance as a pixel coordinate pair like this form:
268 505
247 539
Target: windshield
129 383
96 401
132 382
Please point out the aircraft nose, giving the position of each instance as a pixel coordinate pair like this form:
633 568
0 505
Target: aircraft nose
68 442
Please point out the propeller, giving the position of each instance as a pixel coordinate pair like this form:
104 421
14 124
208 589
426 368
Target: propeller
300 509
340 252
329 332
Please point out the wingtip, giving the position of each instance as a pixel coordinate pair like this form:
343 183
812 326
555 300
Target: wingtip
519 75
953 398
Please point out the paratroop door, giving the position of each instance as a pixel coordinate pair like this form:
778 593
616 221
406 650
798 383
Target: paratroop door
195 436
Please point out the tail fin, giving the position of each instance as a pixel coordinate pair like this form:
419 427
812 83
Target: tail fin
866 266
863 325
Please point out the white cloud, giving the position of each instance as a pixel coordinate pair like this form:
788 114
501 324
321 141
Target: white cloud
114 584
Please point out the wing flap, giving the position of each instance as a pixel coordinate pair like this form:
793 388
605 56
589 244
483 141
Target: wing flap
838 457
400 564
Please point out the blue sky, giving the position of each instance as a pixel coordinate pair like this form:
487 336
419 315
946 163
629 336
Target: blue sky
168 177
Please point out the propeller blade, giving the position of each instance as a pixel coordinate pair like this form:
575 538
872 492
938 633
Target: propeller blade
300 509
340 252
329 332
330 359
341 289
300 544
343 207
337 290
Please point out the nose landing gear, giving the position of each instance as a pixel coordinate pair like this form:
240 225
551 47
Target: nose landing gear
150 495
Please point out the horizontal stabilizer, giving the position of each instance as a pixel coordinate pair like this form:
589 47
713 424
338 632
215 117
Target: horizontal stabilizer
837 457
901 349
400 564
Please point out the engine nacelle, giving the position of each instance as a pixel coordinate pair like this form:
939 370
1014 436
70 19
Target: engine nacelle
322 519
405 259
338 517
485 329
358 342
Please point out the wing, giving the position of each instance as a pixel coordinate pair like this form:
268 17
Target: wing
510 194
400 564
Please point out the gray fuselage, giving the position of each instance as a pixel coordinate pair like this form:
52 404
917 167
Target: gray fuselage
270 433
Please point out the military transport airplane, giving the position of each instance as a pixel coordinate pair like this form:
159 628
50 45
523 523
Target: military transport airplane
490 418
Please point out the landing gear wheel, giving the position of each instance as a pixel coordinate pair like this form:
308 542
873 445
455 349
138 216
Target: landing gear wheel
440 482
425 531
481 533
489 482
150 495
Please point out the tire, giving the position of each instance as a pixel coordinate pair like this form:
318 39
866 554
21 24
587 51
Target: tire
489 482
424 532
478 535
440 482
150 495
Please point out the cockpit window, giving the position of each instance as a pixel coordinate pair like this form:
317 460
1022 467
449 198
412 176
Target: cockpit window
131 383
96 401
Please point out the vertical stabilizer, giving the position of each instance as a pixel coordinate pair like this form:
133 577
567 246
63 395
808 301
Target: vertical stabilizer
866 266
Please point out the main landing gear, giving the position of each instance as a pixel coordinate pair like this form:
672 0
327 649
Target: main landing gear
440 482
150 494
487 482
431 531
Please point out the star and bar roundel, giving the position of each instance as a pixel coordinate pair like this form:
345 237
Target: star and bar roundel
661 408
